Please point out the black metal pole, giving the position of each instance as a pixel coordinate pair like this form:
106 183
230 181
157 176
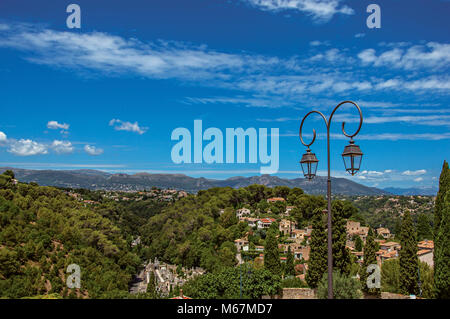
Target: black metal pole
330 237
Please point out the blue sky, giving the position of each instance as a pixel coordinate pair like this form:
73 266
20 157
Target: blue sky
108 96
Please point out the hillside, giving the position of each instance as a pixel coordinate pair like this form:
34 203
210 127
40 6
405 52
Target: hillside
95 180
43 230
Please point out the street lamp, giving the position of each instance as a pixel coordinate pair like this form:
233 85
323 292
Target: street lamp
309 163
352 157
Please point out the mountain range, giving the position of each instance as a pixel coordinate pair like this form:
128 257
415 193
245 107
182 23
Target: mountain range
424 191
93 179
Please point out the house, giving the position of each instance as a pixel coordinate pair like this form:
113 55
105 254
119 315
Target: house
426 251
241 243
426 245
181 296
265 222
285 248
136 241
252 222
286 226
355 228
288 210
259 248
240 213
302 253
298 235
426 256
308 231
385 255
390 246
384 232
283 259
276 199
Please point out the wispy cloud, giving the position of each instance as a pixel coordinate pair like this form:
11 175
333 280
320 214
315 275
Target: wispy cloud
113 54
248 101
390 175
319 10
120 125
430 120
430 55
381 136
414 173
257 80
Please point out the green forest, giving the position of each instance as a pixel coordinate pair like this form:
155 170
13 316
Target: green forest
45 229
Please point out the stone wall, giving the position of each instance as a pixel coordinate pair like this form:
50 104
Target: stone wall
298 293
389 295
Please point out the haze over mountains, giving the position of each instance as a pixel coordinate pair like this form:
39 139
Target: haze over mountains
93 179
425 191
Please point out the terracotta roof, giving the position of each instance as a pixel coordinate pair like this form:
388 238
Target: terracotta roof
423 252
276 199
427 244
267 220
390 244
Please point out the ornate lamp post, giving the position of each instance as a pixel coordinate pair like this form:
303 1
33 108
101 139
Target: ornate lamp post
352 157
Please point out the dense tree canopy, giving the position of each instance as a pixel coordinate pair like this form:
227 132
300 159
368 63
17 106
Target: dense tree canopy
43 231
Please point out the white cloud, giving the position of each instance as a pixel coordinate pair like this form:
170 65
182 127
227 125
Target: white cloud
116 55
62 147
382 136
280 79
26 147
317 43
92 150
54 125
252 101
127 126
3 138
441 83
418 179
431 120
430 55
321 10
414 173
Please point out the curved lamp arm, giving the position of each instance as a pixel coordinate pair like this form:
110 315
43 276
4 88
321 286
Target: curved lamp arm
343 123
314 131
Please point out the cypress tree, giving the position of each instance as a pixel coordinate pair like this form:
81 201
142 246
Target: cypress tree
358 243
441 236
424 230
271 254
290 267
370 257
444 186
409 262
151 287
341 255
317 264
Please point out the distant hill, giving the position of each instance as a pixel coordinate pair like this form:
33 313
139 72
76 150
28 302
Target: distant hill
424 191
92 179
